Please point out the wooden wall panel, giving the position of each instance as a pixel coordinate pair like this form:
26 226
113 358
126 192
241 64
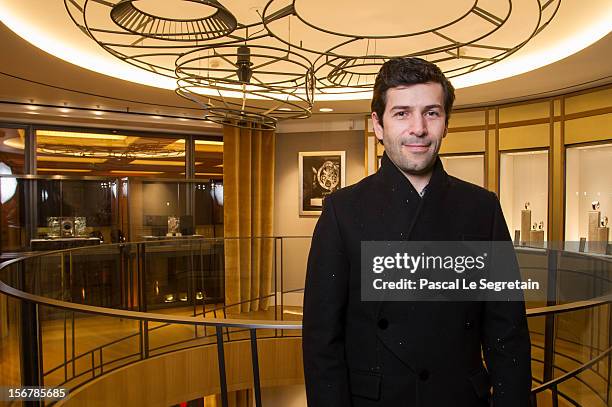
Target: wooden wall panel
466 119
586 129
185 375
523 137
588 101
463 142
524 112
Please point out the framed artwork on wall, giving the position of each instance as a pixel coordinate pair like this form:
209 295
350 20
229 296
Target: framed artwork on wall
320 174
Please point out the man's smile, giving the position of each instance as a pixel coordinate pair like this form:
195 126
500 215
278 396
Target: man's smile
416 148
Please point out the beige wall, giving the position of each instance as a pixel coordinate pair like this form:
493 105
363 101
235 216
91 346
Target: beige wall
287 220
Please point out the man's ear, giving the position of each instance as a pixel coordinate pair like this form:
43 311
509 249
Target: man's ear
378 128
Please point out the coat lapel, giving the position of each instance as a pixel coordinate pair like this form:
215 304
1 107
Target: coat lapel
407 215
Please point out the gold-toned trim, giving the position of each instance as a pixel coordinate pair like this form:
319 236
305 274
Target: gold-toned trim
486 152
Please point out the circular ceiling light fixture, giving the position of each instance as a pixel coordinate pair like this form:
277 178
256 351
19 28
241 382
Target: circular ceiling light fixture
354 74
462 37
247 84
157 23
150 60
239 77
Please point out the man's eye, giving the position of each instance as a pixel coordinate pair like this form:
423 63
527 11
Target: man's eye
400 114
433 113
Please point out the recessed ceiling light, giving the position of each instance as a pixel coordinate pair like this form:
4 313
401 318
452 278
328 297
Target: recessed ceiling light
69 134
160 162
98 113
326 109
62 170
285 109
71 159
135 172
202 142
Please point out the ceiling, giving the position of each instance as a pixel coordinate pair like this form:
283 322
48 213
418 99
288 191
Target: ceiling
569 54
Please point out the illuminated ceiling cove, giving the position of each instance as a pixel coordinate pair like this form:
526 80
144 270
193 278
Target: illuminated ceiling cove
246 62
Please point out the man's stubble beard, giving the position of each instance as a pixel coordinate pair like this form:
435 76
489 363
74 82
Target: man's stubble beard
411 167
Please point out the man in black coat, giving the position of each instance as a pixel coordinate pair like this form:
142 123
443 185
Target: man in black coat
425 354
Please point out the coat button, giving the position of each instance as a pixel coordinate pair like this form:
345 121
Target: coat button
468 324
424 375
383 323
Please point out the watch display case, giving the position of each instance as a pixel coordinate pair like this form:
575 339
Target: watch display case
588 196
77 208
523 194
468 167
160 208
167 213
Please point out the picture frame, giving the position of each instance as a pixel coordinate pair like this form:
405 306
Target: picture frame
320 173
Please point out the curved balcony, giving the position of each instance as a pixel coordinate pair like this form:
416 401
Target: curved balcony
150 324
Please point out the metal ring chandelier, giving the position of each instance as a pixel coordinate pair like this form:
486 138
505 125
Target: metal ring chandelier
129 17
207 75
480 35
257 73
279 83
189 51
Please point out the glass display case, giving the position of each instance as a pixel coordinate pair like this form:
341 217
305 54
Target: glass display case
166 213
78 208
523 194
468 167
588 196
166 209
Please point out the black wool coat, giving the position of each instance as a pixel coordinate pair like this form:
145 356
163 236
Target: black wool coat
412 354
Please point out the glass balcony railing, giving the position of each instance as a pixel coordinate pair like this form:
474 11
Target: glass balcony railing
69 317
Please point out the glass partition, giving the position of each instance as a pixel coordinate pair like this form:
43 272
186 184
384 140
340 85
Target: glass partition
109 153
209 159
10 337
160 209
588 194
13 236
12 154
523 194
570 342
12 157
469 168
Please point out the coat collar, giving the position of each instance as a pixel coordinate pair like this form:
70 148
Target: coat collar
426 211
393 178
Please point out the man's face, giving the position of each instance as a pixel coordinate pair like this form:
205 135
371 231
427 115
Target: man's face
414 124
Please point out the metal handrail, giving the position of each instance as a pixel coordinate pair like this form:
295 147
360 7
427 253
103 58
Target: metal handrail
553 384
148 316
571 306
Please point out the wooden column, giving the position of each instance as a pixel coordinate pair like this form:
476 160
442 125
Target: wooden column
492 150
556 172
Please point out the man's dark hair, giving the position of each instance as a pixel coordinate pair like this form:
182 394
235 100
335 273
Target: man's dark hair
409 71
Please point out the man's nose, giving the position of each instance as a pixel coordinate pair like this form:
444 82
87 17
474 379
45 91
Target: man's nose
418 126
